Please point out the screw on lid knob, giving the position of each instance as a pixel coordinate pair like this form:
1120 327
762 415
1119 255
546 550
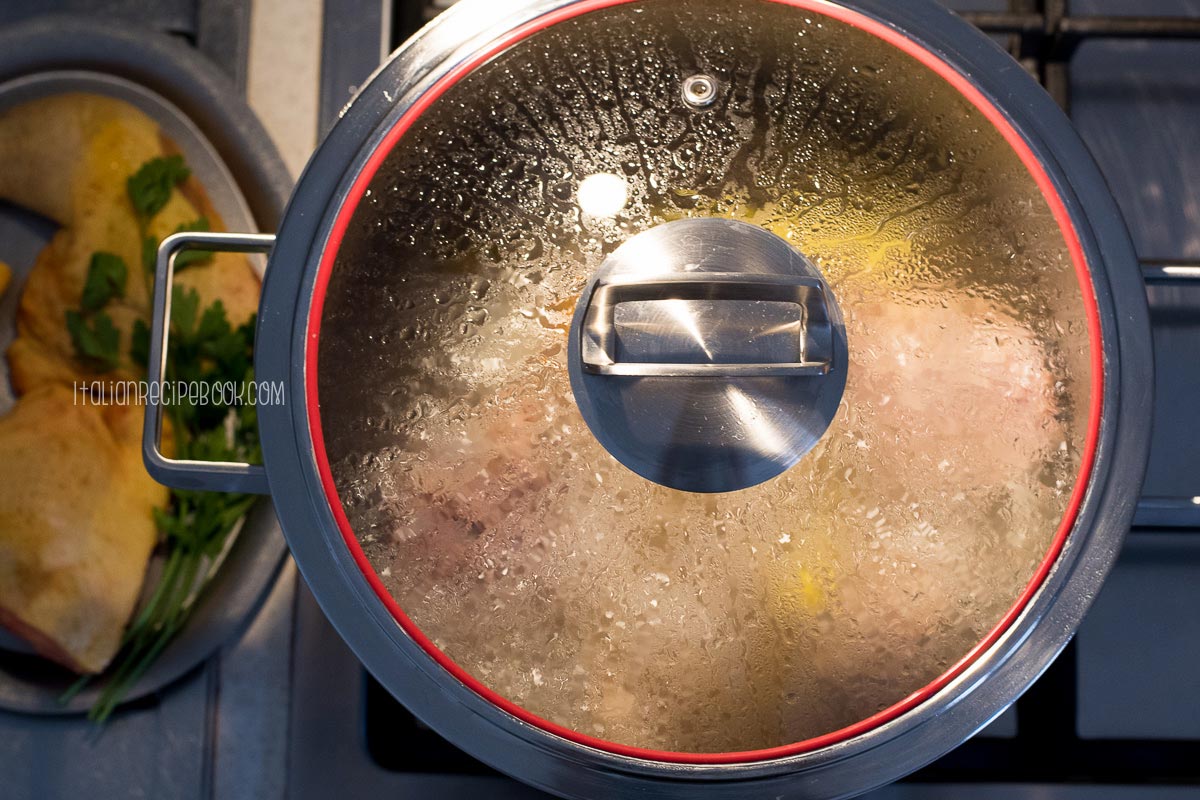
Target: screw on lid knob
699 91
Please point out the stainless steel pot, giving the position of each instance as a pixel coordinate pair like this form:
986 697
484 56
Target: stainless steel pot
857 757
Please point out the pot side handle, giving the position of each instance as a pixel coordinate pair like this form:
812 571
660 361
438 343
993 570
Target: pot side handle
213 476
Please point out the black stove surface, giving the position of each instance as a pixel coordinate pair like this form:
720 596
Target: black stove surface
1118 714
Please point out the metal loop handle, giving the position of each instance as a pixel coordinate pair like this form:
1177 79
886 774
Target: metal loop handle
1182 511
213 476
814 344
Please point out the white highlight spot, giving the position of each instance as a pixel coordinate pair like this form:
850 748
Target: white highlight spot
603 194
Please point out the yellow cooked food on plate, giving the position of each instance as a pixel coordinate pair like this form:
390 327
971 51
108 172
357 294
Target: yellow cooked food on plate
69 157
77 522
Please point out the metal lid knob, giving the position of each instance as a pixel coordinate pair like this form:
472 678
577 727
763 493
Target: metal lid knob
707 355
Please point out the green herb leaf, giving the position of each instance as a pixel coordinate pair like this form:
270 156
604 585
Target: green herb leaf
97 342
150 187
185 305
189 258
149 253
213 323
139 343
105 280
206 348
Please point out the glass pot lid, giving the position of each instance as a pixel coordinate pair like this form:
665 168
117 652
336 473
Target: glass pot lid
907 408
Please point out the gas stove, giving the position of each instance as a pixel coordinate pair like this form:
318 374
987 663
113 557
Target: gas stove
289 711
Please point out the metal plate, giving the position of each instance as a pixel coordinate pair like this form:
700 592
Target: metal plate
29 683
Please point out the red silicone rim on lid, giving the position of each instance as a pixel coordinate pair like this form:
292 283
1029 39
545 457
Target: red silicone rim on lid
1057 207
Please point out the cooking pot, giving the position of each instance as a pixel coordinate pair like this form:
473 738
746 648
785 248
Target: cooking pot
737 397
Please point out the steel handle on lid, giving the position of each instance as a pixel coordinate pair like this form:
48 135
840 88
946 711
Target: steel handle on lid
215 476
813 331
707 354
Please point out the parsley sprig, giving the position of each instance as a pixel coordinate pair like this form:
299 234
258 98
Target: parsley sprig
195 528
105 281
97 341
151 186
